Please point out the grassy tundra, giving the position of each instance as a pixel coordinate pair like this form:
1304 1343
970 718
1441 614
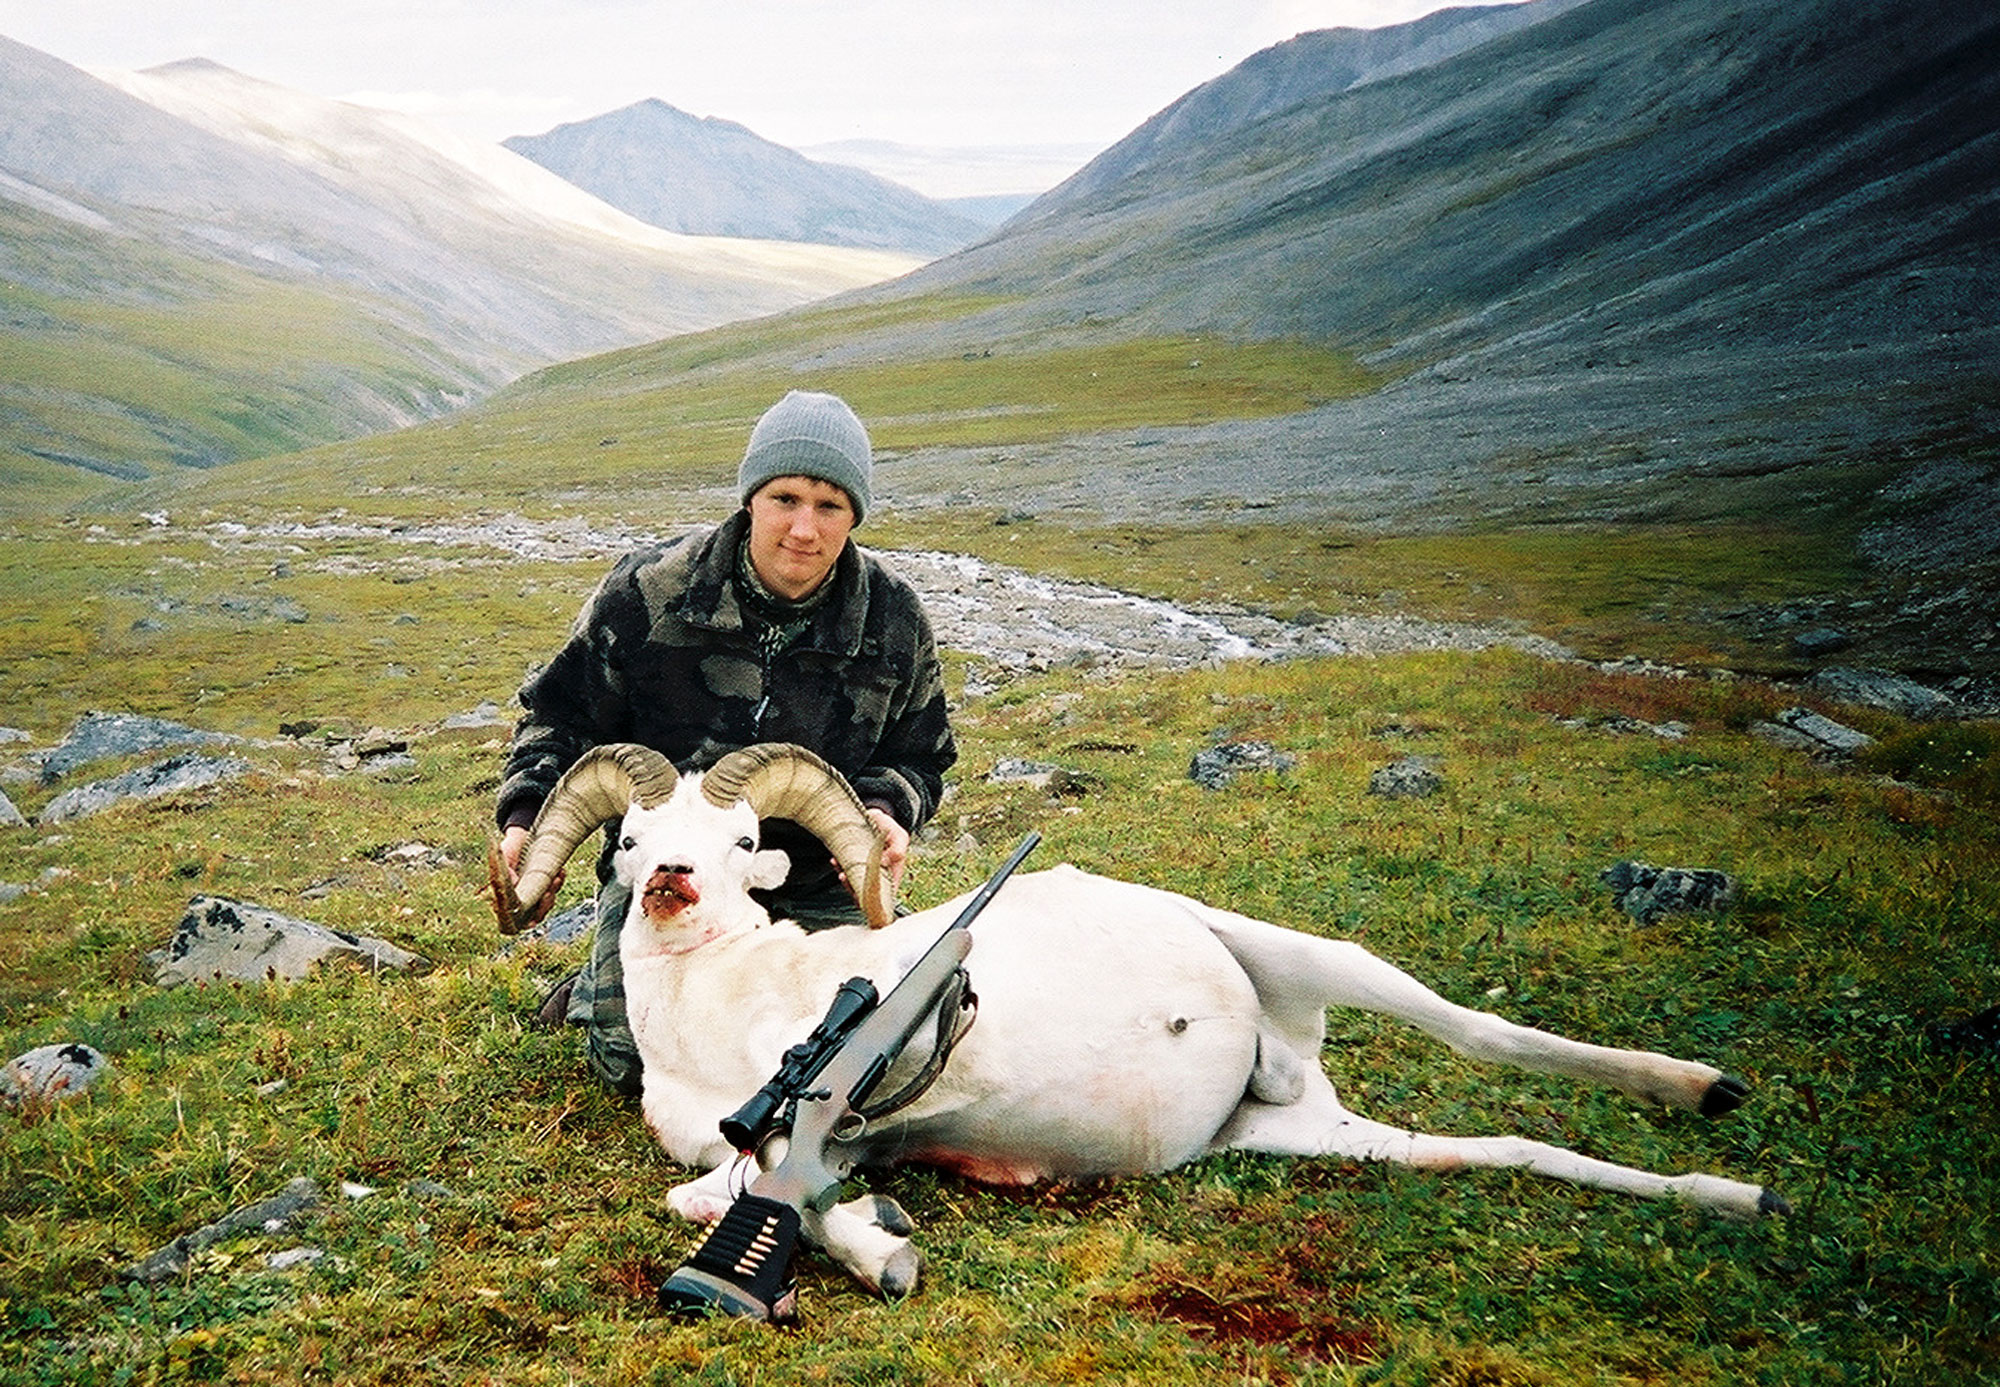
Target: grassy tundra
518 1225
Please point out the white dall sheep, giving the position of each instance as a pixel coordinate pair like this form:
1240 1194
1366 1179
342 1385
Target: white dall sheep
1121 1029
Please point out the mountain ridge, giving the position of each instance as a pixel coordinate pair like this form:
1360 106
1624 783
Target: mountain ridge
1309 66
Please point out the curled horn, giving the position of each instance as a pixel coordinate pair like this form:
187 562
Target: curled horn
599 787
782 781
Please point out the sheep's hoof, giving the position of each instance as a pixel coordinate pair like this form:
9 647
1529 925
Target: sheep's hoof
1726 1094
1771 1203
899 1277
886 1214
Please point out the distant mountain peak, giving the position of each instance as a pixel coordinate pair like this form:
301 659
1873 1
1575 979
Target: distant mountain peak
706 176
187 65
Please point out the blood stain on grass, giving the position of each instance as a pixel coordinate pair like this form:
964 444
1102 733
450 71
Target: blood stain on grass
1268 1320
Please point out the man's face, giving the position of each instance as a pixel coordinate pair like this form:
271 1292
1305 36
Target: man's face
798 526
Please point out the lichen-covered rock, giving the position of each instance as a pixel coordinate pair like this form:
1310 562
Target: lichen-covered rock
176 773
274 1215
1874 688
1216 766
1057 780
220 938
49 1075
1807 731
100 736
1413 777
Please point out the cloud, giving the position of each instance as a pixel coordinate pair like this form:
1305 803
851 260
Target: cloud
1301 16
479 110
795 71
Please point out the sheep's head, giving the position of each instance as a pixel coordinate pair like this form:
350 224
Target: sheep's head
698 825
691 866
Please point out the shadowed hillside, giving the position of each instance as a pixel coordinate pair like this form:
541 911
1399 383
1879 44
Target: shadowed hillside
1627 177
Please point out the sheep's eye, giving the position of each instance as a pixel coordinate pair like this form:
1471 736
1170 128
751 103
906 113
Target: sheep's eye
747 843
627 843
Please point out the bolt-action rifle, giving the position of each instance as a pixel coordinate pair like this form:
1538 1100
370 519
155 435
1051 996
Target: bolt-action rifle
823 1097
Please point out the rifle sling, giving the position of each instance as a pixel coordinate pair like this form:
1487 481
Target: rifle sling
957 1009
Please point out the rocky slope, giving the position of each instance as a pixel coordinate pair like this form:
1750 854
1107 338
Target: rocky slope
1639 260
1622 180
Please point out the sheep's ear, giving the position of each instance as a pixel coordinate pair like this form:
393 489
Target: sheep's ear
769 869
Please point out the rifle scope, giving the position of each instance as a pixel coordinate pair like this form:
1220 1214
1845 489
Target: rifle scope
749 1126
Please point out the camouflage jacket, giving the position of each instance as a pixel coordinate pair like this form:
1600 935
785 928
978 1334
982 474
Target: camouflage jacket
666 653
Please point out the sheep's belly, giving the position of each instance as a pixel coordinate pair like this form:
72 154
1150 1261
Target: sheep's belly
1115 1035
1144 1102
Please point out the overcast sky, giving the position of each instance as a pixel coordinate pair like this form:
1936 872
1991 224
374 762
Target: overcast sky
799 72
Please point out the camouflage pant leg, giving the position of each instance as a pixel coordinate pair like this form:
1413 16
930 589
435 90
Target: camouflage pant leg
597 1001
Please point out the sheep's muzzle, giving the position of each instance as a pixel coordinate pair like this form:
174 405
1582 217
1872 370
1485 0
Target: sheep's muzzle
667 893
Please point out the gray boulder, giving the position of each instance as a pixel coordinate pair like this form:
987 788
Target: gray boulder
1805 730
1646 892
10 817
567 926
1217 766
220 938
100 736
1013 770
1874 688
1057 780
176 773
49 1075
1413 777
570 925
486 714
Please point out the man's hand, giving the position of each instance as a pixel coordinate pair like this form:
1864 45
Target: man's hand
511 844
895 845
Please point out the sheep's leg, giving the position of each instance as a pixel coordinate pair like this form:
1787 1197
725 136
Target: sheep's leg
1319 1125
1298 975
706 1198
870 1236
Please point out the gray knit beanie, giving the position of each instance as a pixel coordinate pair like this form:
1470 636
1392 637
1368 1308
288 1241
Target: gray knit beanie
808 434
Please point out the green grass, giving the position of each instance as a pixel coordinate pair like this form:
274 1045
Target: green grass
653 430
244 637
1867 913
1663 590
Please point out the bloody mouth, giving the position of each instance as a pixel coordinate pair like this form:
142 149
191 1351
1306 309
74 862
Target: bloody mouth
667 893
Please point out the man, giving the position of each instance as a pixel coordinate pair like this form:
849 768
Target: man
771 627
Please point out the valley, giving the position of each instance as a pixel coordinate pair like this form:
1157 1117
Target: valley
1534 404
